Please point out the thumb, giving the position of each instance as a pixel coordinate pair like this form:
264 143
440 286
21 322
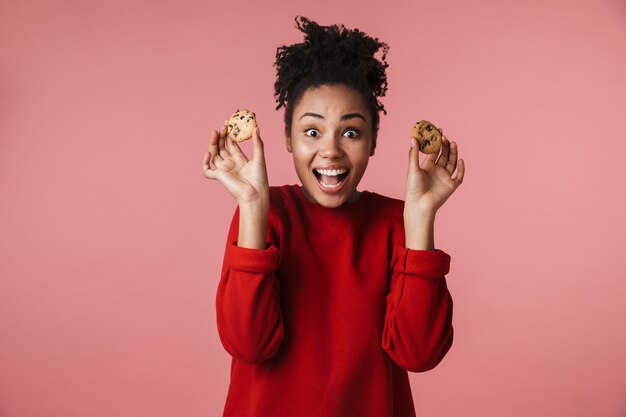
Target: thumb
414 156
257 151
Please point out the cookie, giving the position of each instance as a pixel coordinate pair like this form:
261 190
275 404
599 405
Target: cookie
241 125
427 135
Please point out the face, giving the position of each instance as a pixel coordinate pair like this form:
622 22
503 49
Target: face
331 142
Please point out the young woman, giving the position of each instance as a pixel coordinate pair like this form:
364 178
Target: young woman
328 295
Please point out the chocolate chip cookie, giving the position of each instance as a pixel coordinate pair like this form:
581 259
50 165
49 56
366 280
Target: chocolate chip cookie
241 125
427 135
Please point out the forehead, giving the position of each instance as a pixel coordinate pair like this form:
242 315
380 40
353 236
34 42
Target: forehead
334 100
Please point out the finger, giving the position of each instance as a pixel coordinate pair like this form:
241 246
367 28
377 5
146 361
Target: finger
460 173
221 144
206 167
258 155
213 139
432 157
206 161
443 158
454 152
234 149
414 156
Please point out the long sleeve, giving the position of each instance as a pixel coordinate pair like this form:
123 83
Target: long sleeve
249 317
418 331
356 311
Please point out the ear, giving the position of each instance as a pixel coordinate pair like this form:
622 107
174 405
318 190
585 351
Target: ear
373 147
288 143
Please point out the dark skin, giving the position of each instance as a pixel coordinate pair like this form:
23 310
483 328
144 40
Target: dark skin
429 184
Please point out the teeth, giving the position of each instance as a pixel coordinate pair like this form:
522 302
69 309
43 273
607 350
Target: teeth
331 172
331 186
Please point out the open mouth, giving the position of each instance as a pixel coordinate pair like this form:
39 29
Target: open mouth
331 178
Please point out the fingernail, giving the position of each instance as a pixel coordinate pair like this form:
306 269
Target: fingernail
412 142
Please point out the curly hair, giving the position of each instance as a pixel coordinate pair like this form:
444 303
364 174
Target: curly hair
331 55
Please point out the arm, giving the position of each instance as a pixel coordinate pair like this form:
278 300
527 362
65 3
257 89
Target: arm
418 331
249 318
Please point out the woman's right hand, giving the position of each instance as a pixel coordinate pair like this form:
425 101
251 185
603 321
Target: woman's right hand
246 180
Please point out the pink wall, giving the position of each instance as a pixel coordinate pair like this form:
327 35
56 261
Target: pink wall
112 239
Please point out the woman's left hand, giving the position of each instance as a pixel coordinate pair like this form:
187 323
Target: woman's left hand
430 183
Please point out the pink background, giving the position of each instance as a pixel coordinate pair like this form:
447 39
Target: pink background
112 239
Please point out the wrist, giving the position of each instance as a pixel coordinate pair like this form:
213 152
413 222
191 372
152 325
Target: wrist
253 222
420 231
419 215
254 206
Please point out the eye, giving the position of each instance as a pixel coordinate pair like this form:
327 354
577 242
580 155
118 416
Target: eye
352 133
312 130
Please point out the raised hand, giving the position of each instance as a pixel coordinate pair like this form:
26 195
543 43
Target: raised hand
246 180
430 183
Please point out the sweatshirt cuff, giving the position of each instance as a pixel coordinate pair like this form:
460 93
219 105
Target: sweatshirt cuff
424 263
252 260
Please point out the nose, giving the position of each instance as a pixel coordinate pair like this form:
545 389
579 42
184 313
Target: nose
330 147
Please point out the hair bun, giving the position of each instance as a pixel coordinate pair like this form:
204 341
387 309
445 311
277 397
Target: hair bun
331 54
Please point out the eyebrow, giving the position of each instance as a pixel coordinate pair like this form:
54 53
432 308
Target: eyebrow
344 117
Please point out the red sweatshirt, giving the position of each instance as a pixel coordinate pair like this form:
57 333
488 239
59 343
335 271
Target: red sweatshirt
327 320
